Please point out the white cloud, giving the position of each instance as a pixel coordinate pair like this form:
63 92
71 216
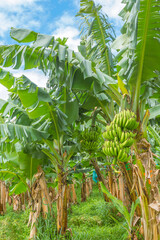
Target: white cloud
18 13
111 7
76 3
66 27
3 93
69 32
6 23
34 75
15 5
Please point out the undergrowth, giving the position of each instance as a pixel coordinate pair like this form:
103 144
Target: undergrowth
13 226
90 220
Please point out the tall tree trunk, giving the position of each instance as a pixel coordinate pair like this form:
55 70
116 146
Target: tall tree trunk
62 203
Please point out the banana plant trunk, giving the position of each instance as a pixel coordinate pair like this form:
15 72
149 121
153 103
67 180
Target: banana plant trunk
2 198
146 182
128 181
62 203
40 202
83 189
100 176
74 200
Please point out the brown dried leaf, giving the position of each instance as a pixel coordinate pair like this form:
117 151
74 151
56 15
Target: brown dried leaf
155 206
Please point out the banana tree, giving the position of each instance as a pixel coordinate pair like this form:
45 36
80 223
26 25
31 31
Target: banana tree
137 69
21 159
138 79
138 66
46 124
65 69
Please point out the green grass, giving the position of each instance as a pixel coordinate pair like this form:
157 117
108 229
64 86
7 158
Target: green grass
13 226
90 220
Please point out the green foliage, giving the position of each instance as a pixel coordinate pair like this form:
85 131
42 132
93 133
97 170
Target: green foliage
123 209
46 228
86 220
154 134
102 226
89 220
154 139
98 33
14 225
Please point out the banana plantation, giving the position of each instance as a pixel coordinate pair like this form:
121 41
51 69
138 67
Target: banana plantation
94 130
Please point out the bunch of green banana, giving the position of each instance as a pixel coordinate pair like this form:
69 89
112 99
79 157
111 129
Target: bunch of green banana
111 148
119 136
112 131
91 139
126 119
91 134
123 156
88 145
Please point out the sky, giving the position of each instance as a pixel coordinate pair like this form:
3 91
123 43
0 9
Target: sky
53 17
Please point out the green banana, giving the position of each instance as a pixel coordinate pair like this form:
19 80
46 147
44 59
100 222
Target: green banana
122 137
136 124
130 142
128 114
114 132
123 157
107 128
121 121
129 123
114 161
120 153
115 151
104 135
124 118
128 158
133 121
111 151
110 134
124 143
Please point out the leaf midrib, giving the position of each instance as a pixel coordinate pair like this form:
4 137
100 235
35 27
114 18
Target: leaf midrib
144 40
104 44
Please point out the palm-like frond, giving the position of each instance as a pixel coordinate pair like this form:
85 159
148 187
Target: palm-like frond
147 57
51 57
65 67
26 134
154 134
8 107
99 32
139 44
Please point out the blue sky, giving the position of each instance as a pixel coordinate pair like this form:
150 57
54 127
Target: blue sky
53 17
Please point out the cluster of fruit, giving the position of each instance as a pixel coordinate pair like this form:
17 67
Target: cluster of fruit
119 136
91 139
